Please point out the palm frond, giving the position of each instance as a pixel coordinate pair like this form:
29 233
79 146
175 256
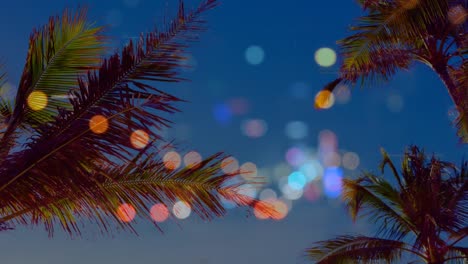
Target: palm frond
358 249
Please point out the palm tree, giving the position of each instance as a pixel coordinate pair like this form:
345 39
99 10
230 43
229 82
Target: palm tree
395 33
82 135
422 214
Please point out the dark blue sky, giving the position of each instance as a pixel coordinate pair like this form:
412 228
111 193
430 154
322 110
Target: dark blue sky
411 109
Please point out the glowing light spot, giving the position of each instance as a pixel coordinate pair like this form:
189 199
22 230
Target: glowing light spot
331 159
325 57
281 210
295 157
327 141
457 15
395 103
172 160
333 182
324 100
98 124
297 180
342 94
291 193
181 210
312 192
239 106
311 170
254 128
126 212
247 190
281 170
222 114
350 160
37 100
230 165
254 55
192 159
248 170
159 213
139 139
297 130
259 211
267 194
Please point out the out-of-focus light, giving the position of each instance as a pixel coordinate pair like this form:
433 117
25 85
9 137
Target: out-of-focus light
291 193
342 94
267 194
254 128
281 170
324 99
248 170
230 165
327 141
181 210
331 159
350 160
457 15
159 213
312 192
295 156
227 203
126 213
248 190
192 159
259 211
254 55
395 103
311 170
333 182
297 180
98 124
139 139
222 113
296 130
325 57
172 160
239 106
37 100
281 209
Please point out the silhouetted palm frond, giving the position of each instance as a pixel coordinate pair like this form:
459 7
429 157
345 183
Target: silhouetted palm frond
89 155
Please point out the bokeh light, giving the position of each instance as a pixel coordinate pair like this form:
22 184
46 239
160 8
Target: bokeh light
457 15
248 170
222 113
395 103
327 141
139 139
248 190
239 106
350 160
295 156
324 99
342 94
37 100
267 194
333 182
312 170
126 212
297 180
230 165
172 160
281 210
296 130
181 210
192 159
159 213
291 193
325 57
331 159
254 128
312 192
98 124
254 55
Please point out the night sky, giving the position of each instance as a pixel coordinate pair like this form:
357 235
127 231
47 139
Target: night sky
251 95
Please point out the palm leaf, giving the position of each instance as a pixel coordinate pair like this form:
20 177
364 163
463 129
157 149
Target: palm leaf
358 249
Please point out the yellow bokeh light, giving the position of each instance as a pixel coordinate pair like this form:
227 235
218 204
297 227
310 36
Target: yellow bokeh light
98 124
126 213
172 160
139 139
248 170
457 15
230 165
324 99
325 57
37 100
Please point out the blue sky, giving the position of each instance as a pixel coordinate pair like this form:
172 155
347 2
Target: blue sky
411 109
